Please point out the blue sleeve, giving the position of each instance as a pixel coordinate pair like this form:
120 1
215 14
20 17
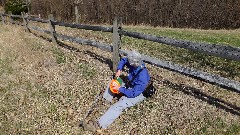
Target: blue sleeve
122 63
140 83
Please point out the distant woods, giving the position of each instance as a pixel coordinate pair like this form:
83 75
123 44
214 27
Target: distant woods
205 14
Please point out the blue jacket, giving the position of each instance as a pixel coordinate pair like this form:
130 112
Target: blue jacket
139 83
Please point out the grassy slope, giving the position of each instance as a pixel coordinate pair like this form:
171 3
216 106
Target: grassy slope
46 89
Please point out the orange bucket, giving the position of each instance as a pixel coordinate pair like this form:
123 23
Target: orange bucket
114 82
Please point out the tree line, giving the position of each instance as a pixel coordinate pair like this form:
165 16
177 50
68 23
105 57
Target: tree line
204 14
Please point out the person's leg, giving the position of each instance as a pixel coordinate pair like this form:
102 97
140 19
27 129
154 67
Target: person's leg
108 95
116 109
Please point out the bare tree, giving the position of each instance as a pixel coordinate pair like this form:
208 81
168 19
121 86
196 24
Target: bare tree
173 13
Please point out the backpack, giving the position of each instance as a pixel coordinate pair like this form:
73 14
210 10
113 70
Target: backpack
149 90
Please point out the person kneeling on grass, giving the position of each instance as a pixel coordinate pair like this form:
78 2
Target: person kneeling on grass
132 91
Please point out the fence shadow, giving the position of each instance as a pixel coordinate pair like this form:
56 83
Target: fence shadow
61 44
197 93
42 37
102 59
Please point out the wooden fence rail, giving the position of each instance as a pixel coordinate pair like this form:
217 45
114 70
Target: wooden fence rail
39 29
223 51
86 27
16 16
216 50
213 79
37 20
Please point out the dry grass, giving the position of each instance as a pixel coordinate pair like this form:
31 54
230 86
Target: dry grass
1 9
46 89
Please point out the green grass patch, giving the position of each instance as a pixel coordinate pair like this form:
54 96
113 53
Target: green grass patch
87 71
233 130
59 54
210 36
217 126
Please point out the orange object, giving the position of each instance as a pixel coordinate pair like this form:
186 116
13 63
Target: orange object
114 82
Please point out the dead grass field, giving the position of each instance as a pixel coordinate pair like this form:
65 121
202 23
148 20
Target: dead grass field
47 89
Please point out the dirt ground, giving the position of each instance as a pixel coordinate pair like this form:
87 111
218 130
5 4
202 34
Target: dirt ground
47 89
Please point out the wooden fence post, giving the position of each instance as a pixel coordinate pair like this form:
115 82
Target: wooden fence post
117 24
25 21
3 19
77 14
52 28
10 17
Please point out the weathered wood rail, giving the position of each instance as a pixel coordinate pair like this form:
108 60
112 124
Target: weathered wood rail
223 51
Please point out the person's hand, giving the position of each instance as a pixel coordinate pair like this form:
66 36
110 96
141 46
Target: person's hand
118 73
116 87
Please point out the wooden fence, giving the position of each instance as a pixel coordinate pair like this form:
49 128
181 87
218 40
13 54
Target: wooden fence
223 51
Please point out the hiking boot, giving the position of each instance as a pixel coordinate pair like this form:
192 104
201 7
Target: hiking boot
93 127
90 126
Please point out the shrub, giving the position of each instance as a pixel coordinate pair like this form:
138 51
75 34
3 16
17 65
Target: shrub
15 6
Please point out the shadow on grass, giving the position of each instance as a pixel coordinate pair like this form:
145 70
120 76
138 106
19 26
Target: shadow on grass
219 103
39 36
102 59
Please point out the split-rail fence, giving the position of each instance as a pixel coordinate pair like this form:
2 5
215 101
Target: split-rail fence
224 51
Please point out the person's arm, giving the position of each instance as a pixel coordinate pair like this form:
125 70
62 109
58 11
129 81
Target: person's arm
139 85
121 64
